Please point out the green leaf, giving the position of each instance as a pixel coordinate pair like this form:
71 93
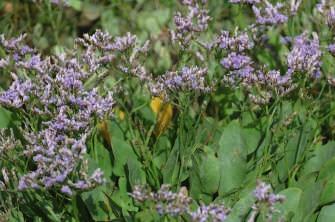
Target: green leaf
209 172
241 208
310 196
291 203
171 168
320 155
75 4
122 152
136 174
328 192
232 155
5 117
327 170
98 204
327 214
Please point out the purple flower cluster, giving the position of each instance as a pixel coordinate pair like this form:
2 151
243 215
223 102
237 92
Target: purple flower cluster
54 89
266 198
7 141
237 42
236 62
176 204
212 212
187 26
327 10
187 79
268 14
244 1
305 56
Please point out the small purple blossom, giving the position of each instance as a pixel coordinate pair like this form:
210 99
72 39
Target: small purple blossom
305 55
188 26
187 79
244 1
66 190
238 42
269 14
68 112
178 203
266 198
235 61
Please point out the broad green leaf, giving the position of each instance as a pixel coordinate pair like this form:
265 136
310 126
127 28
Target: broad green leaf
327 170
310 196
291 203
5 117
288 153
75 4
328 192
98 204
136 173
320 155
241 209
209 172
122 152
327 214
171 168
232 153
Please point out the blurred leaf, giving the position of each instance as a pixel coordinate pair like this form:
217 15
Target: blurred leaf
328 192
291 203
75 4
241 208
209 172
136 173
327 214
171 168
5 117
232 155
320 155
123 153
98 204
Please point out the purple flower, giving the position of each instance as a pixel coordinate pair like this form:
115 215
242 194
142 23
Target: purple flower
66 190
187 79
68 112
238 42
235 61
305 55
188 26
269 14
331 49
244 1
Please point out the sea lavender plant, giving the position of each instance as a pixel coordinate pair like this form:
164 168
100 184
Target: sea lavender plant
7 141
244 1
213 212
237 42
176 204
187 79
188 26
266 200
269 14
122 52
305 56
54 88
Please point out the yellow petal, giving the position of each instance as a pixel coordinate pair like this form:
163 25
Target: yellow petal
156 104
103 128
163 119
122 115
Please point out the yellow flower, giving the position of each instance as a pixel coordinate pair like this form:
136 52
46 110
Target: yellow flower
103 129
122 115
164 113
156 104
